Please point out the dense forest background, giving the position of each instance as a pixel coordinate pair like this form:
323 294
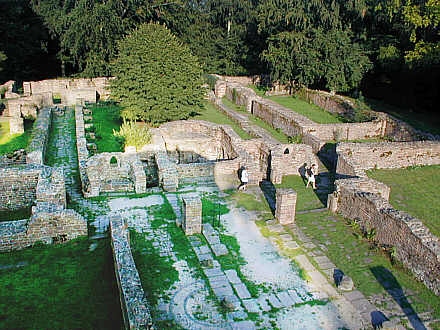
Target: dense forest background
385 49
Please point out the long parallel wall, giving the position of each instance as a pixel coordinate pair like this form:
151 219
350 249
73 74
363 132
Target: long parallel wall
134 305
355 158
413 243
366 200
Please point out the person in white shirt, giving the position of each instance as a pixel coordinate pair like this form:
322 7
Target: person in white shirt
244 178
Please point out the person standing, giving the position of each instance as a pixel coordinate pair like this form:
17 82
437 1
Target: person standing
312 173
244 178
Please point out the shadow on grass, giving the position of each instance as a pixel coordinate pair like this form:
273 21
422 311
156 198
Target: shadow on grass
269 192
392 286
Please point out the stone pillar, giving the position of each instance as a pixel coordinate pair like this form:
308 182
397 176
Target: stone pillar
192 215
286 205
26 88
16 125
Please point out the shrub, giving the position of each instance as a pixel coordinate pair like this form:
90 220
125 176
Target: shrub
133 134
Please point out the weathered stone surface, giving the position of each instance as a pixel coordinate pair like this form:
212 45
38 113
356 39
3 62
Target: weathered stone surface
274 301
134 305
285 206
192 216
232 276
285 299
346 284
251 305
242 291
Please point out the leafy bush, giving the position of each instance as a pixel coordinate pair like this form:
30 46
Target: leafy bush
134 135
210 80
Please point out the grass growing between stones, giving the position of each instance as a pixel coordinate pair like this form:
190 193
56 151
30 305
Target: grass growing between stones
213 115
277 134
12 142
359 259
414 190
251 202
106 118
60 287
307 198
310 111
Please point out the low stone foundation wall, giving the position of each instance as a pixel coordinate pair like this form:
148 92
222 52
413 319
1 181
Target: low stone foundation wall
40 136
134 305
71 89
18 186
414 245
81 147
115 172
355 158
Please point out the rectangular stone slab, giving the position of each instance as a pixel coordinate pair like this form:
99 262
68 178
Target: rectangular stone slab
251 305
232 276
285 299
274 301
242 291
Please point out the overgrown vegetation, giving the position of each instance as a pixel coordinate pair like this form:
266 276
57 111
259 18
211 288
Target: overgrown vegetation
414 190
12 142
60 287
106 120
134 134
24 213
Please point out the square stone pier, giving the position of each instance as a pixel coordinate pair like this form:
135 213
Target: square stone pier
285 206
192 215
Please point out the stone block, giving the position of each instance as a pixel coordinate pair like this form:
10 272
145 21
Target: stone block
192 215
285 205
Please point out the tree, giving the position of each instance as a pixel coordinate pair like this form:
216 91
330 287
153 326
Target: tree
316 57
157 77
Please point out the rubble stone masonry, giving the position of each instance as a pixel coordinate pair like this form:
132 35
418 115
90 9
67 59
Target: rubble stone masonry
285 206
40 136
134 305
414 244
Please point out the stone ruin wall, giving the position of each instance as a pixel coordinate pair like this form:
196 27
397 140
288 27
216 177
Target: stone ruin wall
81 148
355 158
64 87
18 186
134 305
127 174
293 124
40 136
366 201
291 163
23 186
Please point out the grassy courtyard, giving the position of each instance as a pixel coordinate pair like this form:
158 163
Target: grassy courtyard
106 118
414 190
213 115
11 142
277 134
64 286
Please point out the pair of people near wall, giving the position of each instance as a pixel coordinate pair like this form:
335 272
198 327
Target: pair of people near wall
311 174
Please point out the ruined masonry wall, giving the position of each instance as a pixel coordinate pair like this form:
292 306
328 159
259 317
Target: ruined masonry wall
134 305
81 147
354 159
291 163
18 186
40 137
415 246
285 206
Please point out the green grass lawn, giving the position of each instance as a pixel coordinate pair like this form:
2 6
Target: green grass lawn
414 190
357 258
277 134
307 198
259 90
106 118
60 287
213 115
12 142
310 111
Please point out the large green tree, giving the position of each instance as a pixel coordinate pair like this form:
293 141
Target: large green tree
157 77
